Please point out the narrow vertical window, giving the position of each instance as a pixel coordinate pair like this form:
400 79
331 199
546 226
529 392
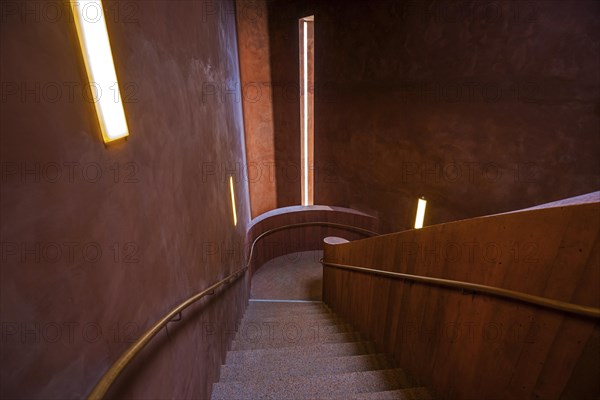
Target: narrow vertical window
306 34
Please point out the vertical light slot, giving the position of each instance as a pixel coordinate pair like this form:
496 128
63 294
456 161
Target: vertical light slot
95 46
306 81
305 116
232 201
420 213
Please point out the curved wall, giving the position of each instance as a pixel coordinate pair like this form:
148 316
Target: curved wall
481 107
92 257
474 346
295 239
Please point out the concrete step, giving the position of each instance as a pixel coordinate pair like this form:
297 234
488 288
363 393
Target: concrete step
294 338
290 317
308 352
285 305
262 311
305 367
317 386
416 393
260 330
281 313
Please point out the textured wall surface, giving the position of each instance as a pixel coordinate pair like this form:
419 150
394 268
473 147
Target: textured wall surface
481 107
257 97
468 345
98 243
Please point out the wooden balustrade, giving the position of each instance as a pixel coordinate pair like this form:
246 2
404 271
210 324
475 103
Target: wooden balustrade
476 346
306 237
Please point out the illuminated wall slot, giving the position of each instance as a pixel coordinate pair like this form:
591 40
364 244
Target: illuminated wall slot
95 46
420 213
306 34
232 201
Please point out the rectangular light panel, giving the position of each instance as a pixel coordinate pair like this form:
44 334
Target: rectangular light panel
305 112
420 213
232 201
95 46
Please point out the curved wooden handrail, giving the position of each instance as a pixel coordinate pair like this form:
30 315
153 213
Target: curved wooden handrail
491 290
362 231
117 367
109 377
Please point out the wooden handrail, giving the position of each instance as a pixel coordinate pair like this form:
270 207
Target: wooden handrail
109 377
117 367
362 231
491 290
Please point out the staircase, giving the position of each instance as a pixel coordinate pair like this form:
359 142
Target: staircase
301 350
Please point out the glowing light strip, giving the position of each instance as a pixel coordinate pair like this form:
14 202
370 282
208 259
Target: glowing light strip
420 213
232 201
95 46
282 301
305 136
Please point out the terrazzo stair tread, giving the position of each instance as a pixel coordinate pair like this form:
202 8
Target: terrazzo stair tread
308 338
415 393
313 315
278 322
273 317
281 314
278 329
286 308
317 386
306 367
294 338
285 305
308 352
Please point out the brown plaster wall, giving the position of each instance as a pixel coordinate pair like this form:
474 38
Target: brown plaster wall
98 243
256 94
480 107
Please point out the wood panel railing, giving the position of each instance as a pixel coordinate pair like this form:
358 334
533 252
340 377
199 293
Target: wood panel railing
473 346
321 222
